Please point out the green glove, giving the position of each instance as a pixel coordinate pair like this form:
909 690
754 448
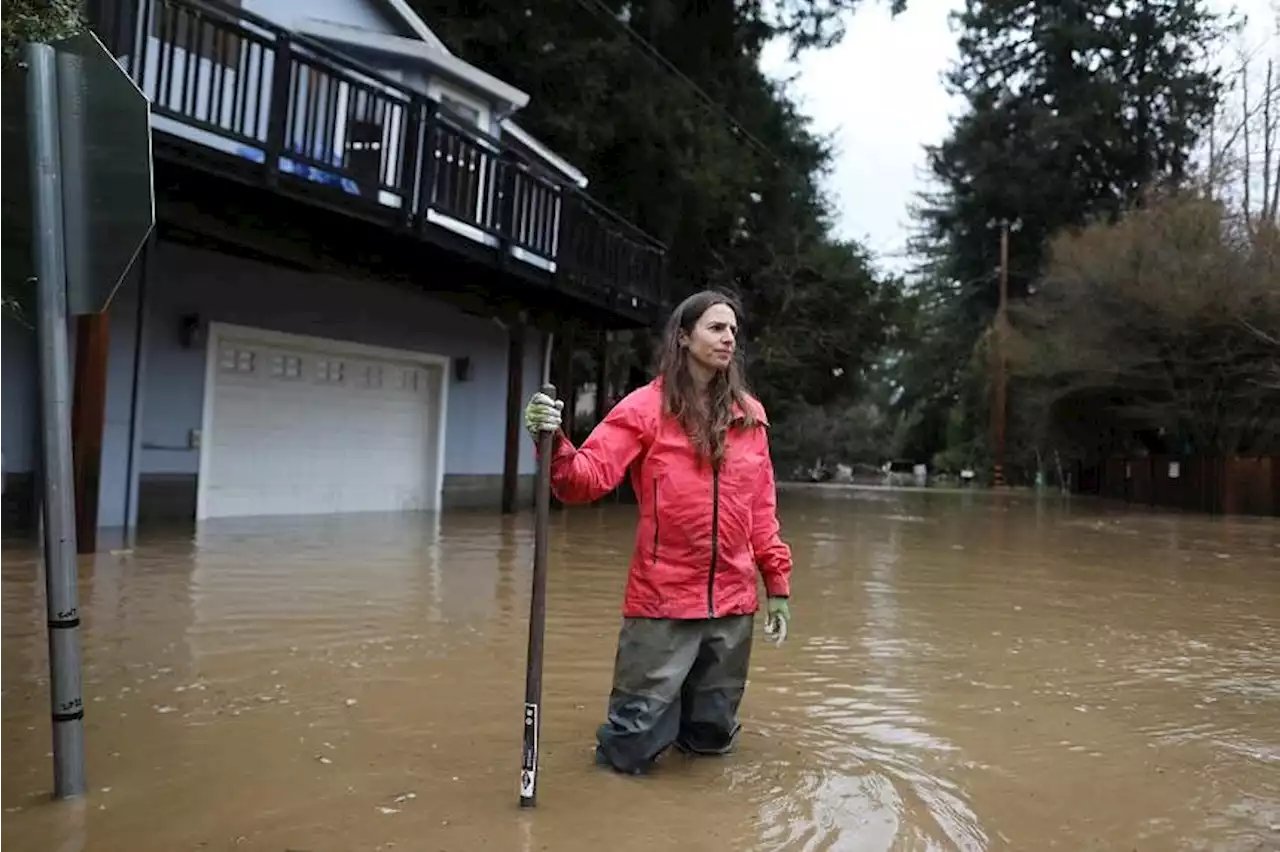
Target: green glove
542 414
777 618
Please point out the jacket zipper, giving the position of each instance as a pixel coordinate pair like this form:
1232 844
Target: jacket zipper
715 542
655 521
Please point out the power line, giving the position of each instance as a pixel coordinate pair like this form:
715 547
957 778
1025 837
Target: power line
598 8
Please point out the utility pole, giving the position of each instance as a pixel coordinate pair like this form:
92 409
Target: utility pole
1002 318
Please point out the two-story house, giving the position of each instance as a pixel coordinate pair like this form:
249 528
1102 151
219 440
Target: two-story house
360 265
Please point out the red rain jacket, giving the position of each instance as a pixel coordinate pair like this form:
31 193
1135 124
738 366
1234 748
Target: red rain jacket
701 533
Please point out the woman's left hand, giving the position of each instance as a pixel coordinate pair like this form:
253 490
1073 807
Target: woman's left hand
777 619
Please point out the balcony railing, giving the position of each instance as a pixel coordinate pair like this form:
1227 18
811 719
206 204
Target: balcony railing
233 81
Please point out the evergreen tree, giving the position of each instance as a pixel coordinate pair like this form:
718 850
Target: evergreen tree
1074 109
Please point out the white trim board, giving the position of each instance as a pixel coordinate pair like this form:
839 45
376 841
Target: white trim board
219 330
565 167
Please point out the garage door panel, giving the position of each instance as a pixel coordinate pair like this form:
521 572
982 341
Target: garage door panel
311 429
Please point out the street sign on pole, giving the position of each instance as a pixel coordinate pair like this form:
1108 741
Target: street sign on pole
91 209
108 195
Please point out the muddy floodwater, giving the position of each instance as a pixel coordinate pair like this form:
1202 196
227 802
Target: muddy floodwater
965 672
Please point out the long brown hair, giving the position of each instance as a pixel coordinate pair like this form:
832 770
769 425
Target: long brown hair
705 419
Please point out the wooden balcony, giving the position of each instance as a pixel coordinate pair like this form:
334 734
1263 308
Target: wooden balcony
300 117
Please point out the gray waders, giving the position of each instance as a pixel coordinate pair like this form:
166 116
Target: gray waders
675 681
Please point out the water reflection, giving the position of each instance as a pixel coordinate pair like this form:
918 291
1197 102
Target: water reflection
966 672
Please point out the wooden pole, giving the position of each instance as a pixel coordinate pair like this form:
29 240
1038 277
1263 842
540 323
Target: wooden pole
88 414
602 376
515 406
998 410
537 620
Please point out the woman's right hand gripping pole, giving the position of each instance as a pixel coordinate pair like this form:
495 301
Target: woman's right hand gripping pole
542 414
586 473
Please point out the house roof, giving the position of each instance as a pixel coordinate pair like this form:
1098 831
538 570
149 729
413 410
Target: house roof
553 159
506 96
413 21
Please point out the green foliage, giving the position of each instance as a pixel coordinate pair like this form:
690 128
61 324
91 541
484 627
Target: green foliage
37 20
1075 108
812 435
23 21
738 206
810 23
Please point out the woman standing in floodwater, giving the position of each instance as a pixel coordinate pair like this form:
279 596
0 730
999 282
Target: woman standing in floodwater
696 446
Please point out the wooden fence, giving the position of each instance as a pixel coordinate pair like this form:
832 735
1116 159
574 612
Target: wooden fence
1227 486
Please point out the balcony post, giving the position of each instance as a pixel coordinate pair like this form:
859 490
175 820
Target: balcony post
410 164
506 219
278 109
567 242
430 161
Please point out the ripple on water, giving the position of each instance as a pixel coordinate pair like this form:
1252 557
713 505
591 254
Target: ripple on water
871 811
965 672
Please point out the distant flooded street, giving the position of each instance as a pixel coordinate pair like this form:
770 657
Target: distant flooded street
968 672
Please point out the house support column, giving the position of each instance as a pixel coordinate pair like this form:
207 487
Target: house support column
602 376
562 378
642 346
88 416
566 387
133 465
515 401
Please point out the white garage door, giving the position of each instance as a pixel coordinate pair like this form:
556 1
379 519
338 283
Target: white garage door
302 426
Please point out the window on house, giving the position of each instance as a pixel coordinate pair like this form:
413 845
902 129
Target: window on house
187 29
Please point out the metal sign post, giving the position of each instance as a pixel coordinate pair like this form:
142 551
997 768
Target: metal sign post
49 257
88 138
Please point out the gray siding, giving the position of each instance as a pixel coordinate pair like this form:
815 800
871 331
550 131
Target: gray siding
218 287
